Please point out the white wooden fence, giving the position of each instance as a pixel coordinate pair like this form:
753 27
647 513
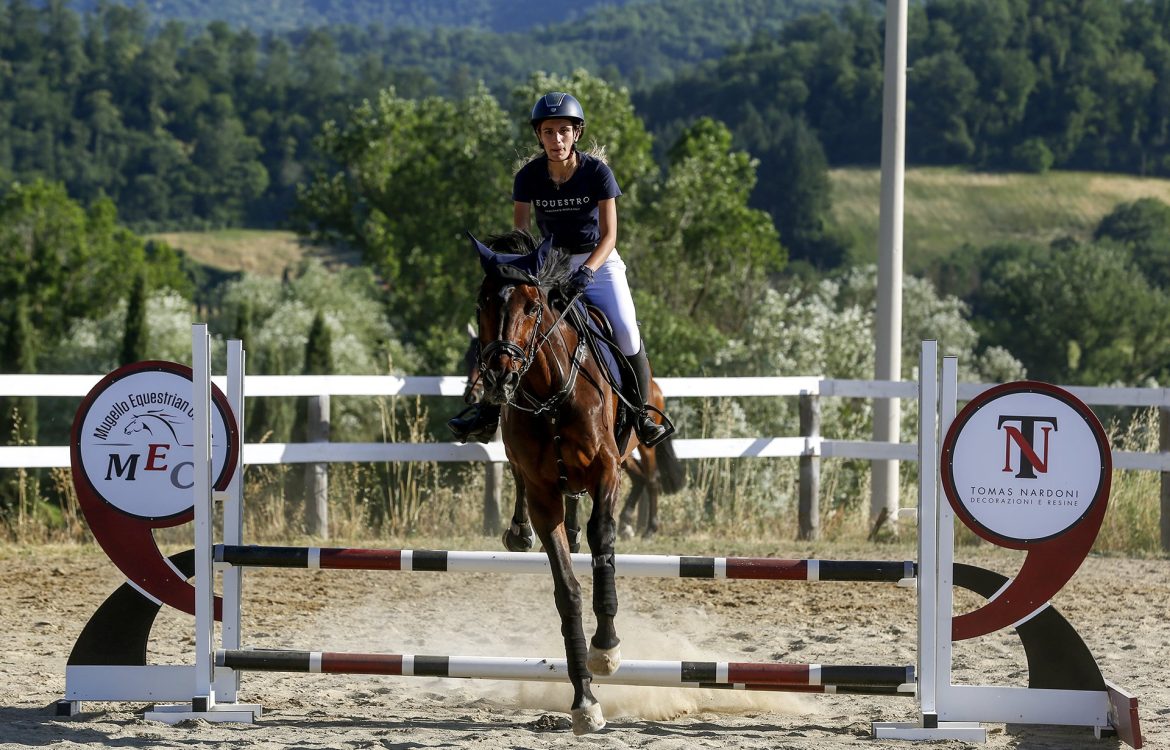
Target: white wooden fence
809 446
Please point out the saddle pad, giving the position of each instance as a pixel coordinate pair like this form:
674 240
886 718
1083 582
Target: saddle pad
602 336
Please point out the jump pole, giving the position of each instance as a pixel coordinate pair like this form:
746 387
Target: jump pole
809 678
229 557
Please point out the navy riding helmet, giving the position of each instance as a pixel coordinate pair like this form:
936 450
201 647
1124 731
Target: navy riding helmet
557 104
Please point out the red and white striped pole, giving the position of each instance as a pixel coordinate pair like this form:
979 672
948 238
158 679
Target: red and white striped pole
660 566
818 678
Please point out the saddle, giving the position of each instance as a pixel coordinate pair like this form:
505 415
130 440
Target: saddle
594 328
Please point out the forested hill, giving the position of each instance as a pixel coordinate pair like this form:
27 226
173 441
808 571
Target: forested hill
196 125
499 16
288 15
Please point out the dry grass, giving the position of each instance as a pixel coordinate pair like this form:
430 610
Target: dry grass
257 251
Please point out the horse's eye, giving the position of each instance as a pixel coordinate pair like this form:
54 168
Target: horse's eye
531 308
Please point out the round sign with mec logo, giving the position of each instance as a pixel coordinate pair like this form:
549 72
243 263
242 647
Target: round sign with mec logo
134 435
1024 462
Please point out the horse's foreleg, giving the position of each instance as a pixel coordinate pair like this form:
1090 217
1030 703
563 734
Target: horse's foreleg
572 524
519 537
604 654
548 519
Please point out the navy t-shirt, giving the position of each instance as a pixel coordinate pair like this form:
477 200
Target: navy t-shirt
568 212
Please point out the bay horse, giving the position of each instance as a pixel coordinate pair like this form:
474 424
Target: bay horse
563 433
651 471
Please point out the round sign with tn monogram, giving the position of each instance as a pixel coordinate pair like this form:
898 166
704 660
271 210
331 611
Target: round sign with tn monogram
1026 465
1025 462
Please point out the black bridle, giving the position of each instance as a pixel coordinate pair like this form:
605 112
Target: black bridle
526 355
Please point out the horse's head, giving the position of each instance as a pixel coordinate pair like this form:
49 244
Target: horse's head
511 307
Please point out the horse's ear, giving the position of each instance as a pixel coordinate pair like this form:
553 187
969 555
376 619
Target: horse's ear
472 332
487 258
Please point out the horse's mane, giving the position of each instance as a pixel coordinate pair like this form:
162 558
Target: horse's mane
555 270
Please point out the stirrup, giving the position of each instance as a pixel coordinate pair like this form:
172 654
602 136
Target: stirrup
473 428
667 425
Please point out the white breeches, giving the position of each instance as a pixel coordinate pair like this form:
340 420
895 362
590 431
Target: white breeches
610 293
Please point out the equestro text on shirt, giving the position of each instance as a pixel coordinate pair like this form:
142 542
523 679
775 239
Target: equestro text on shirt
561 203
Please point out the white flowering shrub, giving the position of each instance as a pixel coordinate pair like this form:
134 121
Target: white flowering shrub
280 312
274 317
825 329
93 345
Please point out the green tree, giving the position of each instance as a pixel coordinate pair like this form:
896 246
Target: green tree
318 348
135 332
721 251
408 179
1142 226
68 261
18 414
1056 308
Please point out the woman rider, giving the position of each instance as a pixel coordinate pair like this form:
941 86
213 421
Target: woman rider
575 197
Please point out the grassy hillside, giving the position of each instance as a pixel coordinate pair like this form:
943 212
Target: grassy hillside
264 252
947 208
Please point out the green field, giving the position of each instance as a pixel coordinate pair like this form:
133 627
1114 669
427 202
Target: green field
948 208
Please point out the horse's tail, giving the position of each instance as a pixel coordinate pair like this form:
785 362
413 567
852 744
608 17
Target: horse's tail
672 475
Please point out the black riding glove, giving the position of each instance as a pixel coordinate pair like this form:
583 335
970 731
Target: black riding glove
579 281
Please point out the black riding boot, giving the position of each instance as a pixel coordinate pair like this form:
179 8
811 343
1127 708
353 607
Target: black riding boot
649 432
477 422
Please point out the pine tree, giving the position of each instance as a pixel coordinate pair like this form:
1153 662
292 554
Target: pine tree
135 334
18 415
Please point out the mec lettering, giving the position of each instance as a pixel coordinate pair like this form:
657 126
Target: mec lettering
127 467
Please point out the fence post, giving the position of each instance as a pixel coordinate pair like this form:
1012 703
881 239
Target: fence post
317 475
808 512
1163 448
493 479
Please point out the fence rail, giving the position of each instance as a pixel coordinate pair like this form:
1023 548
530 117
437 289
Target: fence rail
744 387
809 389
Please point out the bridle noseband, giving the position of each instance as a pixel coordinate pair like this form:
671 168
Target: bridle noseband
513 350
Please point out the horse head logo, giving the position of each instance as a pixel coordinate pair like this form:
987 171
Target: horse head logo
152 420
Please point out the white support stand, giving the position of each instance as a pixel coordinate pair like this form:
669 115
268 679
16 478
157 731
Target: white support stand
936 545
203 702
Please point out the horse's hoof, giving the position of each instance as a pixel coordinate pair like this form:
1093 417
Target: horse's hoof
626 531
588 719
604 661
516 540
